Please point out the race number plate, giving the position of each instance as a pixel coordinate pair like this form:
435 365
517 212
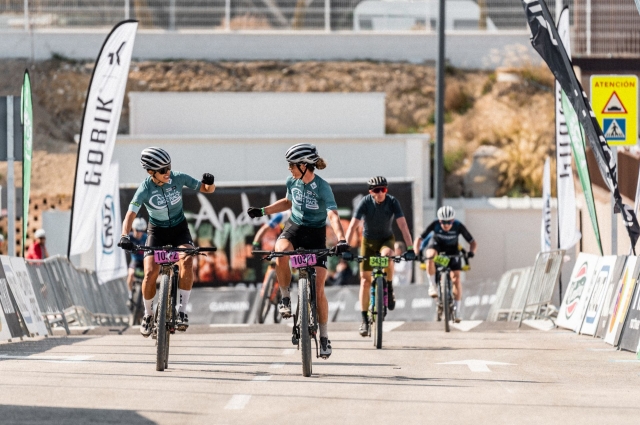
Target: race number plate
379 261
441 260
300 261
162 257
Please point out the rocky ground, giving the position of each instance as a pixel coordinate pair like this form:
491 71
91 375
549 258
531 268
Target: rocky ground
481 109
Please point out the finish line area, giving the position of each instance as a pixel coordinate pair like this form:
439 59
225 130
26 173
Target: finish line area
491 373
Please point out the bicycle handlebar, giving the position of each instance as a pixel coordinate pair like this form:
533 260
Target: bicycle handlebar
395 258
190 251
273 254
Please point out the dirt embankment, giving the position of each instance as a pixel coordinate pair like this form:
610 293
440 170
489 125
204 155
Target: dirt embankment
480 110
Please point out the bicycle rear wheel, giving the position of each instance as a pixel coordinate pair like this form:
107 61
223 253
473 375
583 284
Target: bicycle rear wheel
444 287
305 338
379 317
265 302
161 324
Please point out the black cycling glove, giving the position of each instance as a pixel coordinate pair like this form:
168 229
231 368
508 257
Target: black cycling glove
409 255
471 254
125 243
342 246
255 212
207 178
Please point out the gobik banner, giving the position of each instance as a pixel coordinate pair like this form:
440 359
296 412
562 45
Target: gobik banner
570 314
607 272
630 339
220 219
621 300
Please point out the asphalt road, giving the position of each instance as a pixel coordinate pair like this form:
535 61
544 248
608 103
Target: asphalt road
493 373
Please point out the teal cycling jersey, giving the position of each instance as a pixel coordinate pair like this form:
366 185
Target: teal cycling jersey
310 202
163 203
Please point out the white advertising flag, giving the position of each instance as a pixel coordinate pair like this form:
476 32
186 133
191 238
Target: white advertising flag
545 228
568 233
111 262
99 129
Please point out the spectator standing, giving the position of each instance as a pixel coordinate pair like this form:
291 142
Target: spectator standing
38 250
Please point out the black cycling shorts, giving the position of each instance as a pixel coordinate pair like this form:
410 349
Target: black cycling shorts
306 237
456 262
173 236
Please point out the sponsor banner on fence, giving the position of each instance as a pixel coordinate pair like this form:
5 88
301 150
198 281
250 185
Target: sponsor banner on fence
630 338
220 219
621 300
10 308
221 305
16 289
24 288
569 316
607 272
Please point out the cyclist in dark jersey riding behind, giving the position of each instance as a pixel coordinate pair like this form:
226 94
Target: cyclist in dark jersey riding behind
311 201
138 237
161 194
444 239
378 210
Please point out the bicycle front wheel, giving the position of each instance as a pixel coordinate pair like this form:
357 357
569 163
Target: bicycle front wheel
161 324
305 337
379 318
444 287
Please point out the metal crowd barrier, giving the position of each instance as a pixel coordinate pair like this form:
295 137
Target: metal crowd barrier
509 297
68 295
546 272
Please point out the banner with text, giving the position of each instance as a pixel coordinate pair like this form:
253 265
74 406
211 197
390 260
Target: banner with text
583 272
98 132
621 300
111 261
608 271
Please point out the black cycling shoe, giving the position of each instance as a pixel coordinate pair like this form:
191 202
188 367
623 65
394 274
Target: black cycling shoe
182 322
284 307
364 328
325 347
391 298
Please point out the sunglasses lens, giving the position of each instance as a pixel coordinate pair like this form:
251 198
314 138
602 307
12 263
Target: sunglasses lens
380 190
447 222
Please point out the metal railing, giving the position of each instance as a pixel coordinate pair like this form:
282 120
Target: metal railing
68 295
544 278
509 297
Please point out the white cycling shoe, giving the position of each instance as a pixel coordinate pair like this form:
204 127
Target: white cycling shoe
433 291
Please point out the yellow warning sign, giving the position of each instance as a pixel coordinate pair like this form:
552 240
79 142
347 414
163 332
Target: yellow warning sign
614 100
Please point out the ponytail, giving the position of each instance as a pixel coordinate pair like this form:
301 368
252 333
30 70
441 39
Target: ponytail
321 164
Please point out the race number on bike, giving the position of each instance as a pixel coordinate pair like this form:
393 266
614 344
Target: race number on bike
303 260
163 257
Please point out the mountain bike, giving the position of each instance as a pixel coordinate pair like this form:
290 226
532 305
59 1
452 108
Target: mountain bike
136 307
305 319
378 300
165 314
269 296
444 286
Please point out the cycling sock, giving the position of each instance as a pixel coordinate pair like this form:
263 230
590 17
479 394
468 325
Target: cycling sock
365 316
184 300
285 292
432 279
148 310
456 304
324 333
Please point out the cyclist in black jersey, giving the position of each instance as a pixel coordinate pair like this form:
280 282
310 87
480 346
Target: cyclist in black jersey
444 239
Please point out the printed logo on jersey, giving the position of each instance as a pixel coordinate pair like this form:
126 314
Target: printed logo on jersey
310 201
575 290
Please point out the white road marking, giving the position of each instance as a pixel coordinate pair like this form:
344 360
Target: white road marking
261 378
46 358
477 365
229 325
238 402
466 325
276 366
541 325
288 351
389 326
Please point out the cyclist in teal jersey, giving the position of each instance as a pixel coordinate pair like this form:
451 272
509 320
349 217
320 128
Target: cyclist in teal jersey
311 201
161 194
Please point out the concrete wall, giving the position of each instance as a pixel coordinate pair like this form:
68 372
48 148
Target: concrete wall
257 114
471 50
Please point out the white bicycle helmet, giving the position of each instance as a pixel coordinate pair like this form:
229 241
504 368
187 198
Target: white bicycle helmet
140 224
154 158
377 181
40 233
302 153
446 213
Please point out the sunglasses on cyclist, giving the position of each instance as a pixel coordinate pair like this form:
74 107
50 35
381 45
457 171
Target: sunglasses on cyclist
446 222
164 170
379 190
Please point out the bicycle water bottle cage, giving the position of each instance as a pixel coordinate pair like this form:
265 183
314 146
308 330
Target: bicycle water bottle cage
441 260
379 262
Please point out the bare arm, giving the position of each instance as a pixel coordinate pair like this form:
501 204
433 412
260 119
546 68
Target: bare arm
278 206
261 231
404 228
334 219
207 188
352 231
128 222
